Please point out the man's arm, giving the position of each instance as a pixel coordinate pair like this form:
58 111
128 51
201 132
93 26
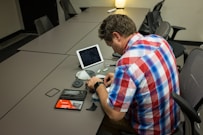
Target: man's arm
103 95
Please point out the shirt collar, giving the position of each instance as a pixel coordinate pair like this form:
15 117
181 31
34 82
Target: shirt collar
134 38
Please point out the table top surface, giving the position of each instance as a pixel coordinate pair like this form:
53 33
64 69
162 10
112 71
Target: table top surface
91 39
97 14
35 114
22 72
60 39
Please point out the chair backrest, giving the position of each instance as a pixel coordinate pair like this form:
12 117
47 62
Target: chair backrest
191 77
191 86
158 6
69 8
152 20
163 29
43 24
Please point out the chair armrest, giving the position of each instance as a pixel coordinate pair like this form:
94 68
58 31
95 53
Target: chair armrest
186 108
175 30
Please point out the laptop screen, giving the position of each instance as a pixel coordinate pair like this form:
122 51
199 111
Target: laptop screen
89 56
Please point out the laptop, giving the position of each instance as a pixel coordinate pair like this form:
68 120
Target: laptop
90 58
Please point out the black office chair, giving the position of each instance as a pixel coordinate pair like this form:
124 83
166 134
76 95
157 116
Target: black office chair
68 8
191 86
191 78
43 24
191 82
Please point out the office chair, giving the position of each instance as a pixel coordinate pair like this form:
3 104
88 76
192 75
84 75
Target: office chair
43 24
191 86
191 78
69 8
191 83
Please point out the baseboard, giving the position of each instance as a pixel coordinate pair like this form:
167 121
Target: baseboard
192 43
11 36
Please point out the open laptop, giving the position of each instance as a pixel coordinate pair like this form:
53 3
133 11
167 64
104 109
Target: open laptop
90 58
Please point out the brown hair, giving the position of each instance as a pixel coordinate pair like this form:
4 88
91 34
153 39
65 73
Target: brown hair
116 23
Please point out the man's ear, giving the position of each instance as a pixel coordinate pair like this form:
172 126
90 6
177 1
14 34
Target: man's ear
116 35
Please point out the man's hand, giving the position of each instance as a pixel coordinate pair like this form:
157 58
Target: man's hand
91 82
108 79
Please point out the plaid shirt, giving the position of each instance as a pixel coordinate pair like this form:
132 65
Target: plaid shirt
145 76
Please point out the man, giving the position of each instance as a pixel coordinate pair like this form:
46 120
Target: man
140 88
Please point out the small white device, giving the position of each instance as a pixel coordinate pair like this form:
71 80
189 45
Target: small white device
111 10
89 56
100 76
85 74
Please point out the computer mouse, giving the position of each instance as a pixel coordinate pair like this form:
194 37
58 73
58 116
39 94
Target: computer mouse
85 74
100 76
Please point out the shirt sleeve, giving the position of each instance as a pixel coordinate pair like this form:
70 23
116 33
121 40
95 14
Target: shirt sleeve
122 90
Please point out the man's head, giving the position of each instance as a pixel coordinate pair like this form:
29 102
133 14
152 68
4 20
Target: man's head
116 30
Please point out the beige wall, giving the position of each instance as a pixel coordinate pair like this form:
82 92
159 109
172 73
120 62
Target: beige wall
185 13
9 18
